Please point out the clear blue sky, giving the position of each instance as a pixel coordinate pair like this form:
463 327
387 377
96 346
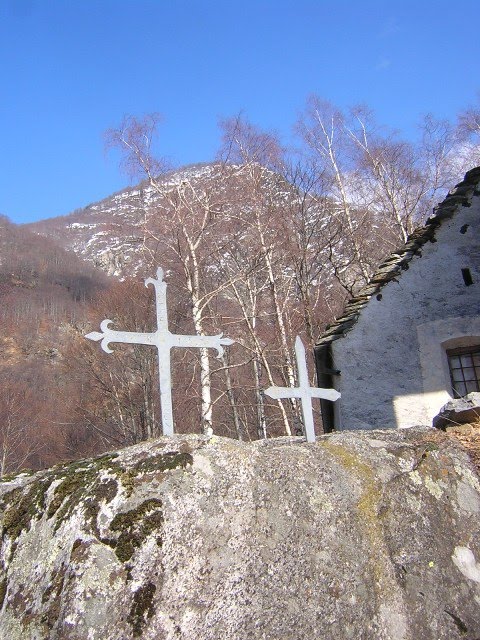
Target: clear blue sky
71 69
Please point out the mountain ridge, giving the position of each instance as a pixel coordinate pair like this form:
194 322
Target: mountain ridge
105 232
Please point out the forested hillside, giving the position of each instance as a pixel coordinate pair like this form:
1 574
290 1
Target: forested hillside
263 244
44 293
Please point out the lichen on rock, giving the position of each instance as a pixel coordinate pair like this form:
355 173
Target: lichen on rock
359 535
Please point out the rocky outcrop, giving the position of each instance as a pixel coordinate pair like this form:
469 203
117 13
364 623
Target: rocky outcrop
464 410
360 535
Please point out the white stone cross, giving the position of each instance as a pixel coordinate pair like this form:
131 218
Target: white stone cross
304 391
164 341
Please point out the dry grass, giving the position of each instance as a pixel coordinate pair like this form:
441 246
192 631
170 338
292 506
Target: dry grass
469 437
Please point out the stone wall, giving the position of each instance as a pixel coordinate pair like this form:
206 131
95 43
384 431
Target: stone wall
394 369
362 535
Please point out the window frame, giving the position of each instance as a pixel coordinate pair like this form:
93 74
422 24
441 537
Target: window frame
472 350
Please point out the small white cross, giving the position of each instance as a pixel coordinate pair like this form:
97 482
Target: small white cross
164 341
304 391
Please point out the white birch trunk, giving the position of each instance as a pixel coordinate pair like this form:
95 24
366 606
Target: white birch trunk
239 428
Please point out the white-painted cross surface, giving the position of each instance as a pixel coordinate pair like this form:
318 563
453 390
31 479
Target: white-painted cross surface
163 340
304 391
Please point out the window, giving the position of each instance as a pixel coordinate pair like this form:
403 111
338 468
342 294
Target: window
464 367
467 277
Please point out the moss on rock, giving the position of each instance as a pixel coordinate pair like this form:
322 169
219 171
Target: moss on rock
82 481
51 597
134 526
76 487
21 507
164 462
3 591
142 607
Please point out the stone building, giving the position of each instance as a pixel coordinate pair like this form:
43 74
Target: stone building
410 340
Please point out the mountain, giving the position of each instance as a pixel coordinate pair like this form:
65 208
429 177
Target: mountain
109 233
41 284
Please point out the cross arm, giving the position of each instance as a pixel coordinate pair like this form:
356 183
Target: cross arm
208 342
278 393
110 335
298 392
326 394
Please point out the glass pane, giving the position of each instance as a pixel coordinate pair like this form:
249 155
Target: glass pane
454 362
469 373
472 386
466 360
476 359
459 387
457 375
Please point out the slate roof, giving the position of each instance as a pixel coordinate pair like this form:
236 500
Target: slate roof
392 267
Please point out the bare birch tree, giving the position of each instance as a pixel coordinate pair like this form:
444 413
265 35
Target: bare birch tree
178 231
382 186
19 438
118 403
325 133
260 157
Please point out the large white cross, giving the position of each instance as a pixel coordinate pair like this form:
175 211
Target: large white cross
304 391
164 341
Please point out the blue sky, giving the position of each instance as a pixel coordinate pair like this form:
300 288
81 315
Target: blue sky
71 69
